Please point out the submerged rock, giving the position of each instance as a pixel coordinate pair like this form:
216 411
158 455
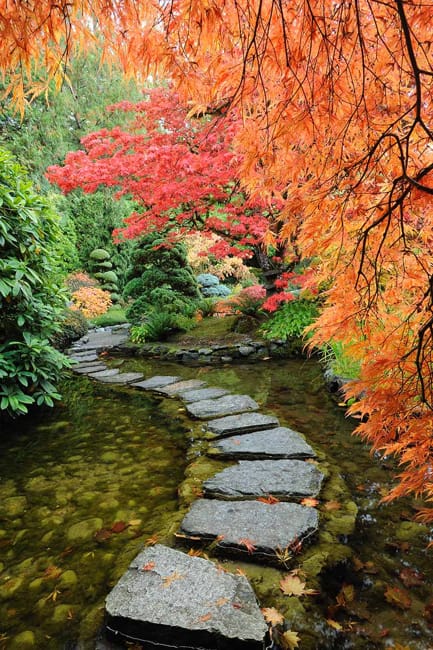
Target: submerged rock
284 479
170 599
250 526
280 442
226 405
84 529
241 423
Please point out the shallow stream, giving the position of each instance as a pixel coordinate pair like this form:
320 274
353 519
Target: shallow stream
83 488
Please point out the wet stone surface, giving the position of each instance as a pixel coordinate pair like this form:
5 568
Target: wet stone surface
280 442
121 378
158 381
202 393
107 372
100 339
226 405
269 528
87 368
167 597
242 423
285 479
180 386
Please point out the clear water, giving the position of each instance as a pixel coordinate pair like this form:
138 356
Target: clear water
83 488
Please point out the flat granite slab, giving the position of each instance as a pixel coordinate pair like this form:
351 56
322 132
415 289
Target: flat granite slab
202 393
84 369
82 358
285 479
156 382
170 599
121 378
226 405
107 372
241 423
174 389
251 527
280 442
100 339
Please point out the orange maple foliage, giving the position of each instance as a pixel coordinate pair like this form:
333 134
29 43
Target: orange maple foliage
337 114
91 301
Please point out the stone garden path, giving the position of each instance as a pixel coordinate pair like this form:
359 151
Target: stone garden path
167 597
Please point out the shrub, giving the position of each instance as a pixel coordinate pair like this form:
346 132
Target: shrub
79 279
31 299
220 291
91 301
290 320
99 255
207 280
73 326
249 300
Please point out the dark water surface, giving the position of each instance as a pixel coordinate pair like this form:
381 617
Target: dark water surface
83 488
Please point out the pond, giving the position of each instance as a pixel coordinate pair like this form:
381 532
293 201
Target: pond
84 487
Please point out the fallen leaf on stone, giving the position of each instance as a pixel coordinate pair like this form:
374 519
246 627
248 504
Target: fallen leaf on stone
334 624
270 499
411 577
332 505
236 442
221 601
398 597
289 640
119 527
240 572
205 617
148 566
292 585
272 616
171 578
150 541
309 502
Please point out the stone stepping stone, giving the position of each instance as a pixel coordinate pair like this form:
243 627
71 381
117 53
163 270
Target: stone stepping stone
86 369
284 479
171 599
242 423
203 393
270 528
107 372
174 389
121 378
156 382
226 405
280 442
84 357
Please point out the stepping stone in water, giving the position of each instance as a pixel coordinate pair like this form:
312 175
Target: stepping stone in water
121 378
226 405
84 369
179 386
108 372
243 423
280 442
203 393
284 479
169 598
156 382
270 528
84 357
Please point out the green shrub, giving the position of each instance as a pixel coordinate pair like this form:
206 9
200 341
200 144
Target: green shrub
31 300
290 320
100 255
73 326
114 316
337 357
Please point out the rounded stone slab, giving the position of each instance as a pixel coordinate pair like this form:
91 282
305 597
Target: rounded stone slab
241 423
179 386
170 599
226 405
270 528
280 442
121 378
202 393
285 479
156 382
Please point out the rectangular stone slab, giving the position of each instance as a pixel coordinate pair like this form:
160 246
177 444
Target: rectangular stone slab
241 423
156 382
179 386
121 378
202 393
250 479
108 372
226 405
170 599
269 528
280 442
84 369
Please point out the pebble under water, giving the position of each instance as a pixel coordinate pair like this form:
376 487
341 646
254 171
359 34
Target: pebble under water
85 486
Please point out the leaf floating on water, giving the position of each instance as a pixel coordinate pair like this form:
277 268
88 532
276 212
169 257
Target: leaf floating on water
103 534
411 577
334 624
346 595
134 522
398 597
332 505
292 585
119 527
289 640
150 541
272 616
52 571
270 499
